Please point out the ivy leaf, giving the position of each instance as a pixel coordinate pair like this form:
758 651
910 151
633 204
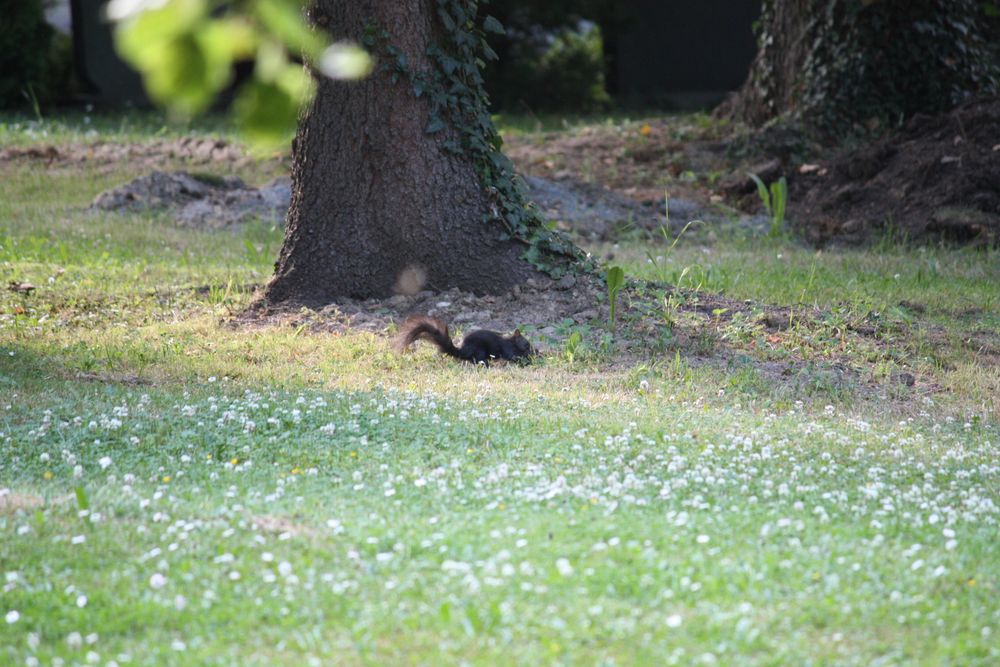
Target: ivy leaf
449 23
490 24
436 125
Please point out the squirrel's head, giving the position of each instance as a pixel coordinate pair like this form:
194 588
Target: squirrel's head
521 345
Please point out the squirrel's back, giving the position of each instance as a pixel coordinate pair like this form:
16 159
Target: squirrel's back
480 346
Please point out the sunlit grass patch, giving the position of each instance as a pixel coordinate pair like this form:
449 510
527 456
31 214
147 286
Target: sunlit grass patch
180 488
376 524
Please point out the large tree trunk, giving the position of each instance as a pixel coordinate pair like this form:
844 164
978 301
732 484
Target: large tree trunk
770 88
842 64
379 205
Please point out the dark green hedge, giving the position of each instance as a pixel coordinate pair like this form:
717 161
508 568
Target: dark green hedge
27 58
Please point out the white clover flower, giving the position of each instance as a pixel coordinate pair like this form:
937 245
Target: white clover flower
674 621
157 581
105 461
13 616
564 567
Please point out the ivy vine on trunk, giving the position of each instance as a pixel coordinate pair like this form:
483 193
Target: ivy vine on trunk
843 66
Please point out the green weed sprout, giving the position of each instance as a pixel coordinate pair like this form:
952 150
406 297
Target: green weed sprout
572 345
774 200
615 280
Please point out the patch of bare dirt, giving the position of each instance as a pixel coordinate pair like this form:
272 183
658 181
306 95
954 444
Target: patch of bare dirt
536 306
146 155
938 178
642 161
12 503
705 330
269 523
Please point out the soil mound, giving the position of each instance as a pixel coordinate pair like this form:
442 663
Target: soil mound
199 200
938 178
205 200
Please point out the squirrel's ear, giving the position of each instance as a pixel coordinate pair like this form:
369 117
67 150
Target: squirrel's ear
517 333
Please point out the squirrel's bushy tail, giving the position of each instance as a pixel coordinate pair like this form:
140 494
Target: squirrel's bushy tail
417 327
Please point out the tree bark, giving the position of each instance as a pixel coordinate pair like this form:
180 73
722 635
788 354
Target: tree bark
840 64
378 205
770 88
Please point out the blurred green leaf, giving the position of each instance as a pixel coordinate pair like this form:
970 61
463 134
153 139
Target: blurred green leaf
140 38
267 111
185 59
186 49
284 19
186 76
271 60
231 38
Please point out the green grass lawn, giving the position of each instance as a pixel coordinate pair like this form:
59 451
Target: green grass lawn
176 490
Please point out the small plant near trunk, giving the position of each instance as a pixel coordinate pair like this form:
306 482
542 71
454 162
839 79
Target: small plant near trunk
774 199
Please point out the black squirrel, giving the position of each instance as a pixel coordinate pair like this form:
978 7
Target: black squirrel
480 346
